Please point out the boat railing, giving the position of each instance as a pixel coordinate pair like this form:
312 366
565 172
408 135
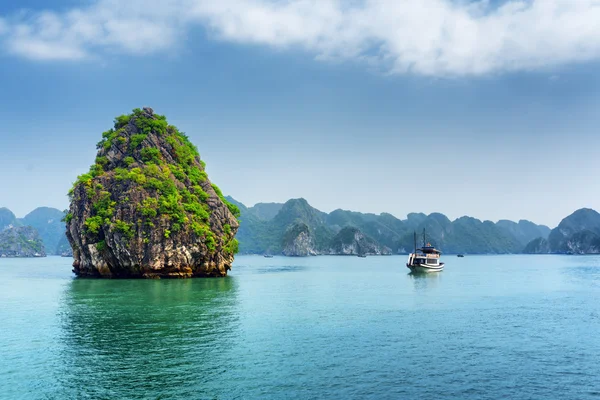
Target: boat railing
428 255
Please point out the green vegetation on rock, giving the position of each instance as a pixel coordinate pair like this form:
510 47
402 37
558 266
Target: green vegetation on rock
21 241
351 241
579 233
165 177
148 177
273 231
49 224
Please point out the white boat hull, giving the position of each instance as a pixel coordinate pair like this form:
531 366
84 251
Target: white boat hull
425 268
425 259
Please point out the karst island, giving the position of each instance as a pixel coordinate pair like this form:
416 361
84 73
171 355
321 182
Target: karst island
146 208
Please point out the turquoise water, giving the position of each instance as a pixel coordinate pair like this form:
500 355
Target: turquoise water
324 327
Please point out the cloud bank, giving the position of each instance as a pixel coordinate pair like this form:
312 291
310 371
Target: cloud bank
422 37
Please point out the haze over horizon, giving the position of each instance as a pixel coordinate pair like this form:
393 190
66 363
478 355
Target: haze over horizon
481 108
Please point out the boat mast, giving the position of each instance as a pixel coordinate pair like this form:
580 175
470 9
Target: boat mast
424 242
415 242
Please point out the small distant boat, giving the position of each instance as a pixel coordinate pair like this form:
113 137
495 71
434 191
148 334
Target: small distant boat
460 255
424 259
362 255
268 256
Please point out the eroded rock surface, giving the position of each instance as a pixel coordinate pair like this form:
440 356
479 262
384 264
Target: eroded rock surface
299 241
22 241
147 209
351 241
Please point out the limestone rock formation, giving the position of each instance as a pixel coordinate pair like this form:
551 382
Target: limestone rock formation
351 241
7 219
147 209
48 222
537 246
21 241
298 241
579 233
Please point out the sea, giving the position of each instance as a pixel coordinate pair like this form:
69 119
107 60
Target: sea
328 327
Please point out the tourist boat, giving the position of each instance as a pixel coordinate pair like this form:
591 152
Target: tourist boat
424 259
460 255
268 256
362 255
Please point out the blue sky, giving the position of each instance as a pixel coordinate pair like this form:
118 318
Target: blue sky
466 108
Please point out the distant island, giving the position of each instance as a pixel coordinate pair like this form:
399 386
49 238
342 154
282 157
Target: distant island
22 241
579 233
33 235
295 228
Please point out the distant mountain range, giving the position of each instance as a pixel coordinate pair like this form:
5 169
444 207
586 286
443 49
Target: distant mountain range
46 224
295 228
579 233
21 241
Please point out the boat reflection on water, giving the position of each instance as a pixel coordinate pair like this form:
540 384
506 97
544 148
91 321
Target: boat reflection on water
425 259
424 281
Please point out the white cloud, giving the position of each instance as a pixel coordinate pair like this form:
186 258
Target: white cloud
427 37
109 25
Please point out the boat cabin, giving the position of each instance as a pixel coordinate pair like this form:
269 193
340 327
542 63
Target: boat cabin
426 255
424 259
429 249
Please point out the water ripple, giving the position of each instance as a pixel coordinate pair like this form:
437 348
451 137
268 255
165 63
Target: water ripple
324 327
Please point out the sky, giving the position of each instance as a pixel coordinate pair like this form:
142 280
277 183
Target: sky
479 108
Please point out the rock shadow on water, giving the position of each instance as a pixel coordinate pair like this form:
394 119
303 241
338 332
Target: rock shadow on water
281 269
146 339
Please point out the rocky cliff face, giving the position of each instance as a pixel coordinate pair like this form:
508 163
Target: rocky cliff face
298 241
265 226
351 241
147 209
579 233
583 242
7 219
524 231
537 246
48 222
21 242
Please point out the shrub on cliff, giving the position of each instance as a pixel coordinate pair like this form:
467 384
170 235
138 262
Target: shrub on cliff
146 207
